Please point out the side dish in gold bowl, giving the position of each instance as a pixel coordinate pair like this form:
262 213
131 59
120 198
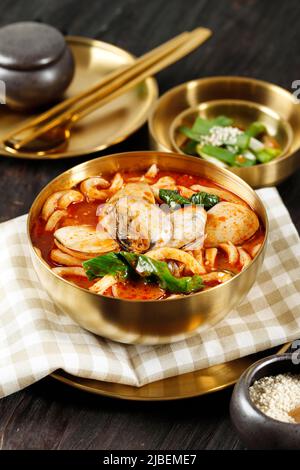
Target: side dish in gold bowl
250 126
231 134
147 247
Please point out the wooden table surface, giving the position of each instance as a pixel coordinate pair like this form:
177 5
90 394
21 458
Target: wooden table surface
257 38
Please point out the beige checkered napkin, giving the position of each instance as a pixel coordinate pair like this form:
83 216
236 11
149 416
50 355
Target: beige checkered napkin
36 339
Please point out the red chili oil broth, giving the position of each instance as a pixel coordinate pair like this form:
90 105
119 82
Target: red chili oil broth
85 213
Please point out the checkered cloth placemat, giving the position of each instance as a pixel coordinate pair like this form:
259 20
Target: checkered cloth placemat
36 339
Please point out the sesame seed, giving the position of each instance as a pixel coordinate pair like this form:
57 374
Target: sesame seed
277 395
219 135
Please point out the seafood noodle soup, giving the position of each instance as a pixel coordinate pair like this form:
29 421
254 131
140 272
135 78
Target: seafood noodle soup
147 235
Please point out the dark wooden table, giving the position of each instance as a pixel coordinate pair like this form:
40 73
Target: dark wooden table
257 38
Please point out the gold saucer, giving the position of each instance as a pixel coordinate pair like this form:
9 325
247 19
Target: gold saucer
192 384
107 126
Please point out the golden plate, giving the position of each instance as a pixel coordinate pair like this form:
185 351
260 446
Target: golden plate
192 384
270 98
107 126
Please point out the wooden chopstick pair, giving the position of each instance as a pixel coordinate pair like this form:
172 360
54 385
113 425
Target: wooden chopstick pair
110 87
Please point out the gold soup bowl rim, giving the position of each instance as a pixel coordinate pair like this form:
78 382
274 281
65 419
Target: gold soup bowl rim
159 155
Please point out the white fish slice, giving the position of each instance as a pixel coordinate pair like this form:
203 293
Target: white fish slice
84 239
229 222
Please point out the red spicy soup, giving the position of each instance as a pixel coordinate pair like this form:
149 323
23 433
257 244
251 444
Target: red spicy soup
65 235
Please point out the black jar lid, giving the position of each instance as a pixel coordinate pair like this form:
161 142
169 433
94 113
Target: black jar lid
28 45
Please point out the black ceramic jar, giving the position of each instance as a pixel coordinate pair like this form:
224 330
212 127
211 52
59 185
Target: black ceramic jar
257 430
36 64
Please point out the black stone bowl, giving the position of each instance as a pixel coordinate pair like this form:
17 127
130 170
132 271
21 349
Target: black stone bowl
256 430
36 65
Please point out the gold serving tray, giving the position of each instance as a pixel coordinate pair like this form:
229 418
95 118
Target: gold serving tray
203 92
192 384
107 126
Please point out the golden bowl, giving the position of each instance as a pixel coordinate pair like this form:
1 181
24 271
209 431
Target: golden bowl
243 114
138 321
246 100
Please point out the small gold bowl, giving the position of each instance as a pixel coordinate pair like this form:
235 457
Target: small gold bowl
243 99
243 114
147 322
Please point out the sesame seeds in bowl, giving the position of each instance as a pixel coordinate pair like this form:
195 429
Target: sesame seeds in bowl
263 402
277 396
218 135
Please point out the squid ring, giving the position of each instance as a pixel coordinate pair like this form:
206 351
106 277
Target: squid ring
245 258
60 200
69 271
60 257
178 255
230 251
218 276
103 284
89 188
54 219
